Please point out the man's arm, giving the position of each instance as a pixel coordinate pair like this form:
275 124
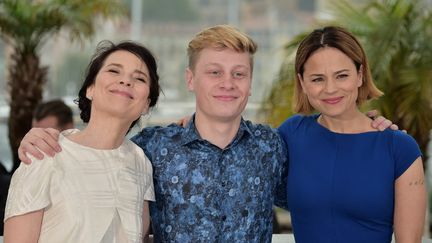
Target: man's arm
45 139
23 228
280 196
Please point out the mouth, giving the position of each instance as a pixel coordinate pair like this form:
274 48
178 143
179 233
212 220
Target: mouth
225 97
122 93
333 101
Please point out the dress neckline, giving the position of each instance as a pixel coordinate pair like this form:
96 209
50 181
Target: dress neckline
328 131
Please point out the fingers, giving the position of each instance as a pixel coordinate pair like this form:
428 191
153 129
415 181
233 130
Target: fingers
382 123
23 156
39 139
183 121
395 127
377 122
372 114
25 148
186 120
54 133
180 122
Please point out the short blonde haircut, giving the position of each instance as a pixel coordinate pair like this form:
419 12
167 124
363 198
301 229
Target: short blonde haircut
345 42
220 37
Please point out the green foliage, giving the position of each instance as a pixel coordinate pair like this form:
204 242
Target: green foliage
278 105
26 25
396 35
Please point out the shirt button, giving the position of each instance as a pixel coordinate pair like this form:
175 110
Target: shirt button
223 184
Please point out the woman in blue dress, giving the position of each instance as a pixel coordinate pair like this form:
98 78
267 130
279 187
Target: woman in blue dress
347 181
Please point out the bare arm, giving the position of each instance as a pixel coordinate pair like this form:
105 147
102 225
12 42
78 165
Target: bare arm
410 204
23 228
146 223
44 139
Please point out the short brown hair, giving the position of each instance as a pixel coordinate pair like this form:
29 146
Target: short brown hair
220 37
103 51
56 108
344 41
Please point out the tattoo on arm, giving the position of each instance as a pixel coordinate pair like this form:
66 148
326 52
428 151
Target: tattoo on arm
417 182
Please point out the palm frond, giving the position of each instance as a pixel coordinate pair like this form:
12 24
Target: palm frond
396 36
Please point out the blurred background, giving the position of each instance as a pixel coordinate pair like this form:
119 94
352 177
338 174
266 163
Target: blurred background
46 45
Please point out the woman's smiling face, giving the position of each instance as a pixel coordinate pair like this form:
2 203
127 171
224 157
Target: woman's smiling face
330 81
121 86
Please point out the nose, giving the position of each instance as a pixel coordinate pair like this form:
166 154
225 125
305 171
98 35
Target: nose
330 86
227 82
126 82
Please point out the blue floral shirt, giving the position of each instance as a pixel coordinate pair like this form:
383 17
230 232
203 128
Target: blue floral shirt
208 194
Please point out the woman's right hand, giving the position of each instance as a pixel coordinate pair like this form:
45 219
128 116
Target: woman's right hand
37 140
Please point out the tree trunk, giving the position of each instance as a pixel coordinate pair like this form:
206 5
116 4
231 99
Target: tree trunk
25 81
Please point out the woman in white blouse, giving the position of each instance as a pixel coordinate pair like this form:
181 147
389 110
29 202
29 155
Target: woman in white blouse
96 189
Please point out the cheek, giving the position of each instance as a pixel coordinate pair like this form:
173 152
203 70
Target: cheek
311 90
245 86
352 87
144 92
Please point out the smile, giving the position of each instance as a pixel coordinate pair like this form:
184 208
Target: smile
122 93
332 101
225 97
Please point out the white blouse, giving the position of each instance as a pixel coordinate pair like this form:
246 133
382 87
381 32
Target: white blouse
88 195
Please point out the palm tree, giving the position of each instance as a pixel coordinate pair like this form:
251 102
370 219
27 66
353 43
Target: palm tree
397 37
26 25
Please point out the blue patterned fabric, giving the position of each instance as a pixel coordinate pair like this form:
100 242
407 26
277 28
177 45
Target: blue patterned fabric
208 194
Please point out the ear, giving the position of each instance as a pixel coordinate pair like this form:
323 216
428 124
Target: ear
90 92
360 76
301 82
189 76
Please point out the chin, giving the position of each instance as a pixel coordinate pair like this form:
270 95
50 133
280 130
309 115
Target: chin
228 117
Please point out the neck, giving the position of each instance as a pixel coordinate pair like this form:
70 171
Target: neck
356 122
218 133
102 133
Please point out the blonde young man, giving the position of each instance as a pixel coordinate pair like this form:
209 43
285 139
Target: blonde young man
216 180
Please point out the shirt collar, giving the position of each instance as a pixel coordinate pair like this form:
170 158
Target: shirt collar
190 134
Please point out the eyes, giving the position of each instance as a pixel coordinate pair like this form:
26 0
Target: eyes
341 76
136 75
215 73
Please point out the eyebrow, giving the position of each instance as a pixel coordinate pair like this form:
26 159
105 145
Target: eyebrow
341 71
219 65
337 72
121 66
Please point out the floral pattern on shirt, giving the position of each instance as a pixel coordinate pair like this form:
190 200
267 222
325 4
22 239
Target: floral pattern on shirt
208 194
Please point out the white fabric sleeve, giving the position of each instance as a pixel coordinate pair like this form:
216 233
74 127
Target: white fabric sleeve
149 194
29 190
